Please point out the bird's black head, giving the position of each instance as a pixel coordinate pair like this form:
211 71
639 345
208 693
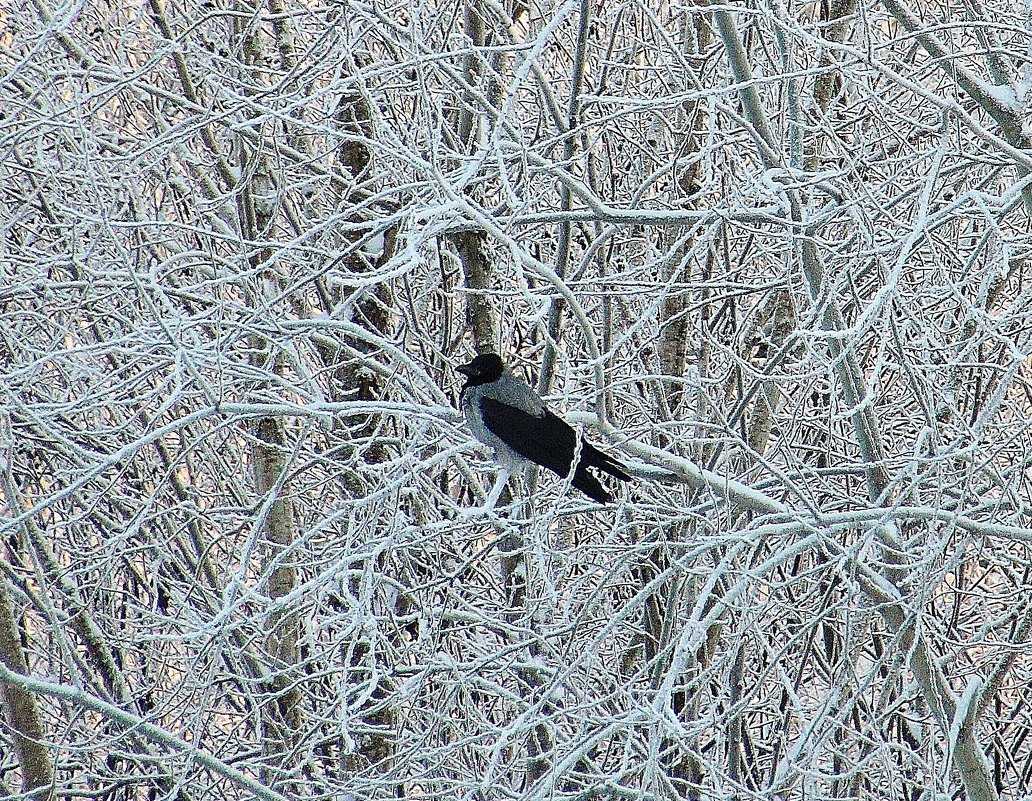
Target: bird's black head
484 369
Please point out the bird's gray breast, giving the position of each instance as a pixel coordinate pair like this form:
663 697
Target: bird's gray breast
508 390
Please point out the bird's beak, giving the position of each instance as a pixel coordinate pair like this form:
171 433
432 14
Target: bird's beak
465 369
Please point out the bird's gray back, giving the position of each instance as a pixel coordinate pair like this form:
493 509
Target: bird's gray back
509 390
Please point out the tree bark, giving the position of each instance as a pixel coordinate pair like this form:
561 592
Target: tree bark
20 707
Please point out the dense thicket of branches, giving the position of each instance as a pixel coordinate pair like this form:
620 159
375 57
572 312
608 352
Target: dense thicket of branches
778 254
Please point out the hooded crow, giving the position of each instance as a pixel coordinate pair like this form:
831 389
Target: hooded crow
504 413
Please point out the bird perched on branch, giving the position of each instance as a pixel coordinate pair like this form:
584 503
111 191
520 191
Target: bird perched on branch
506 414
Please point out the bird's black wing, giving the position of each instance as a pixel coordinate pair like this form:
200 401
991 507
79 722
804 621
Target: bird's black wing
545 439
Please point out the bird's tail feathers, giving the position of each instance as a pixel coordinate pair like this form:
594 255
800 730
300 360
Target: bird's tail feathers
584 479
593 457
590 486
